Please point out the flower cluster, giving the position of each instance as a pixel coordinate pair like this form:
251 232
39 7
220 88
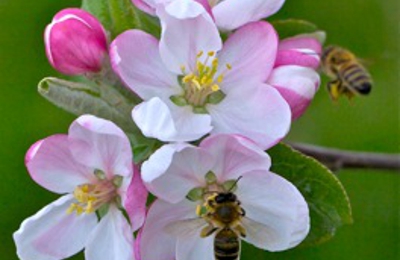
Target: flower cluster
215 105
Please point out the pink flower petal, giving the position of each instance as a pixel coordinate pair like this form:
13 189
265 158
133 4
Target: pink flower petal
145 7
301 42
231 14
167 122
234 156
275 203
299 57
182 169
100 144
135 204
76 42
155 232
300 50
52 233
135 58
51 164
259 113
251 52
187 29
112 239
297 85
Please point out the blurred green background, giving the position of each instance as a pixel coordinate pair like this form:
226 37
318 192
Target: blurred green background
368 27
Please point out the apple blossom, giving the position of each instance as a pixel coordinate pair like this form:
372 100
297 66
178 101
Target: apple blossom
191 86
76 42
274 215
92 165
228 14
294 74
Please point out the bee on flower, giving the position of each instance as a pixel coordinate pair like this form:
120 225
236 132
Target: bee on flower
212 197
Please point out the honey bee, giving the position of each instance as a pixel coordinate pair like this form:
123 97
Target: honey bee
348 76
222 215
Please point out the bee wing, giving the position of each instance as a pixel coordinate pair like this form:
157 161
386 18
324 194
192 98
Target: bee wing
259 234
185 227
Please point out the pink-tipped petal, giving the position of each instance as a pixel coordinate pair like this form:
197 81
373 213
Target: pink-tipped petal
51 164
234 156
169 123
187 29
52 233
251 52
145 7
135 203
299 50
100 144
173 170
135 58
231 14
297 85
112 239
299 57
276 204
155 231
301 42
259 113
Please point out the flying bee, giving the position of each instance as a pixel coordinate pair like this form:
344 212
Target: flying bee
348 76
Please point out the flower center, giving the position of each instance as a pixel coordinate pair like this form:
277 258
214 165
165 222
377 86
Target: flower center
202 85
91 197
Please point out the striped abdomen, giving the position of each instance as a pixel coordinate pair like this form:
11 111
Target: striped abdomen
354 76
226 245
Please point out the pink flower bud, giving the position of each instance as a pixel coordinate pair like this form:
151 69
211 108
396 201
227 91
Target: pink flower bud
76 42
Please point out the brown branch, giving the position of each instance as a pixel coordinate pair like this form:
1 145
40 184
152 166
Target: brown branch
337 159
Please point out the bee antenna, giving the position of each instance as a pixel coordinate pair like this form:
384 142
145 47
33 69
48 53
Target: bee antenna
234 184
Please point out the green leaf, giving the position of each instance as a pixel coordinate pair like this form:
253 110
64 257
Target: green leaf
118 16
295 27
79 99
143 148
327 200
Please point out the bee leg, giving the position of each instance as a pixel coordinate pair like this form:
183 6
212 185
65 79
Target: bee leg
241 230
335 89
242 212
208 230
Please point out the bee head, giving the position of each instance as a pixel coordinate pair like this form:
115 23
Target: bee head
225 197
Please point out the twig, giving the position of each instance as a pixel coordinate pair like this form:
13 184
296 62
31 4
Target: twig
337 159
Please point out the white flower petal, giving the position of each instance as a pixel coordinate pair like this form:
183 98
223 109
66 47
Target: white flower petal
251 52
52 233
112 239
170 123
100 144
160 215
173 170
275 203
230 14
259 113
234 156
136 59
187 29
195 247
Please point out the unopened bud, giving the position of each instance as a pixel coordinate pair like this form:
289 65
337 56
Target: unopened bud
76 42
